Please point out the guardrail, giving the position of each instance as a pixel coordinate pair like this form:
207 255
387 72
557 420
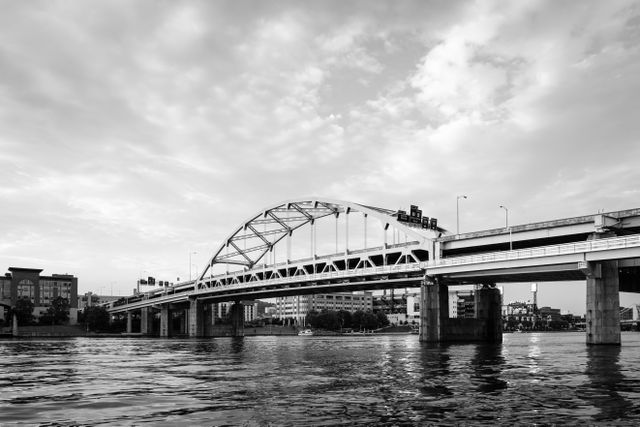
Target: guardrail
541 251
363 271
359 272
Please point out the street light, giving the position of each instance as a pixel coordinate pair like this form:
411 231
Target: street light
506 224
190 253
506 216
458 212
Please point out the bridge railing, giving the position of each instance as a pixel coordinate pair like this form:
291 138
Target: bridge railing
542 251
362 271
339 256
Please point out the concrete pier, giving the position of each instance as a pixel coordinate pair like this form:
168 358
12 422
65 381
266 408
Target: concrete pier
237 319
603 303
129 321
489 314
165 321
146 322
196 318
435 313
436 326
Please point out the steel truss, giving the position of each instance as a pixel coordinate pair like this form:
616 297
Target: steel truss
259 235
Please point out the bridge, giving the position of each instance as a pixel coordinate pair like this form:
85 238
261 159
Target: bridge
308 246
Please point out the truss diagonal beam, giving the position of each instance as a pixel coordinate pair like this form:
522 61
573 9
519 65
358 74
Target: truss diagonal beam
279 221
257 233
242 253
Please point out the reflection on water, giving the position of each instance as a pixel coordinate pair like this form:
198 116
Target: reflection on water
487 365
606 383
388 380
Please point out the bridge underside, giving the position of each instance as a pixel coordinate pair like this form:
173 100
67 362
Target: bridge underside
400 281
629 277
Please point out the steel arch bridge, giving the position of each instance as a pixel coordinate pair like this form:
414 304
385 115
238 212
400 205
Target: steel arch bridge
258 259
390 249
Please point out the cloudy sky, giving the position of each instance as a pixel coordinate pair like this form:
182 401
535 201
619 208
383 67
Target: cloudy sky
135 132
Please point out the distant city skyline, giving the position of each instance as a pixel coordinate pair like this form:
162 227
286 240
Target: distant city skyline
136 136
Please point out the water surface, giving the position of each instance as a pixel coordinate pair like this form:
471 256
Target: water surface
289 380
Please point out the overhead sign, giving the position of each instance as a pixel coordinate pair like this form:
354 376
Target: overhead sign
416 219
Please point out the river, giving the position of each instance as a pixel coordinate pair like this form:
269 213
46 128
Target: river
531 378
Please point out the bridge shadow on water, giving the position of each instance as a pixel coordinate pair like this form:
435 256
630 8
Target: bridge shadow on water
605 382
442 361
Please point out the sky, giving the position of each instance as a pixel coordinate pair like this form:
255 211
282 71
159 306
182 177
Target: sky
135 133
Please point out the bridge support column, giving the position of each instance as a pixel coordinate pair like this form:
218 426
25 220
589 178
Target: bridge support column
214 312
145 321
603 303
165 321
129 321
488 313
196 318
237 319
14 325
434 310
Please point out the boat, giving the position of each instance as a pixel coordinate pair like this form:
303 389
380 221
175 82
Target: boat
306 332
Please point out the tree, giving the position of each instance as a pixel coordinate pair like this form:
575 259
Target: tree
382 319
24 310
370 321
357 319
58 311
96 318
311 319
345 318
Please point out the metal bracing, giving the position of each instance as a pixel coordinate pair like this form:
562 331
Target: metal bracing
260 234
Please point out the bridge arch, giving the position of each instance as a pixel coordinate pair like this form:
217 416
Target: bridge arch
258 235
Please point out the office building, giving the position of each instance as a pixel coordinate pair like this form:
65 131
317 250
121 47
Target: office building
41 290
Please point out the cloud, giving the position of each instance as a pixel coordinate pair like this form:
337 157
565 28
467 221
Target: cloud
135 132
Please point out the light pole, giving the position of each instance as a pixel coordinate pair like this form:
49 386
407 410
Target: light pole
458 212
506 216
190 253
506 224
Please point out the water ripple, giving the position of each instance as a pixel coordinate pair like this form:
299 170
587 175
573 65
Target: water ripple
531 379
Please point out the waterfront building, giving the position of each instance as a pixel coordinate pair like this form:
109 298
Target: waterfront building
41 290
404 310
519 315
549 314
253 310
462 304
90 299
630 313
297 307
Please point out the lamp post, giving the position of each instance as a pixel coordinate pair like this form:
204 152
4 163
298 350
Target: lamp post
506 224
506 216
458 212
190 253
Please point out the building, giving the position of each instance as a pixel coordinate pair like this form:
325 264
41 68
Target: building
90 299
405 310
41 290
253 310
462 304
297 307
548 314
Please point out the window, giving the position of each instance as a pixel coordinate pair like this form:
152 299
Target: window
5 289
25 288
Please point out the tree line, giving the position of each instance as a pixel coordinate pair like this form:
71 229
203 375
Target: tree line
338 320
56 314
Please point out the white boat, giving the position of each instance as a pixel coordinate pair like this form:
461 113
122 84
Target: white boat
306 332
